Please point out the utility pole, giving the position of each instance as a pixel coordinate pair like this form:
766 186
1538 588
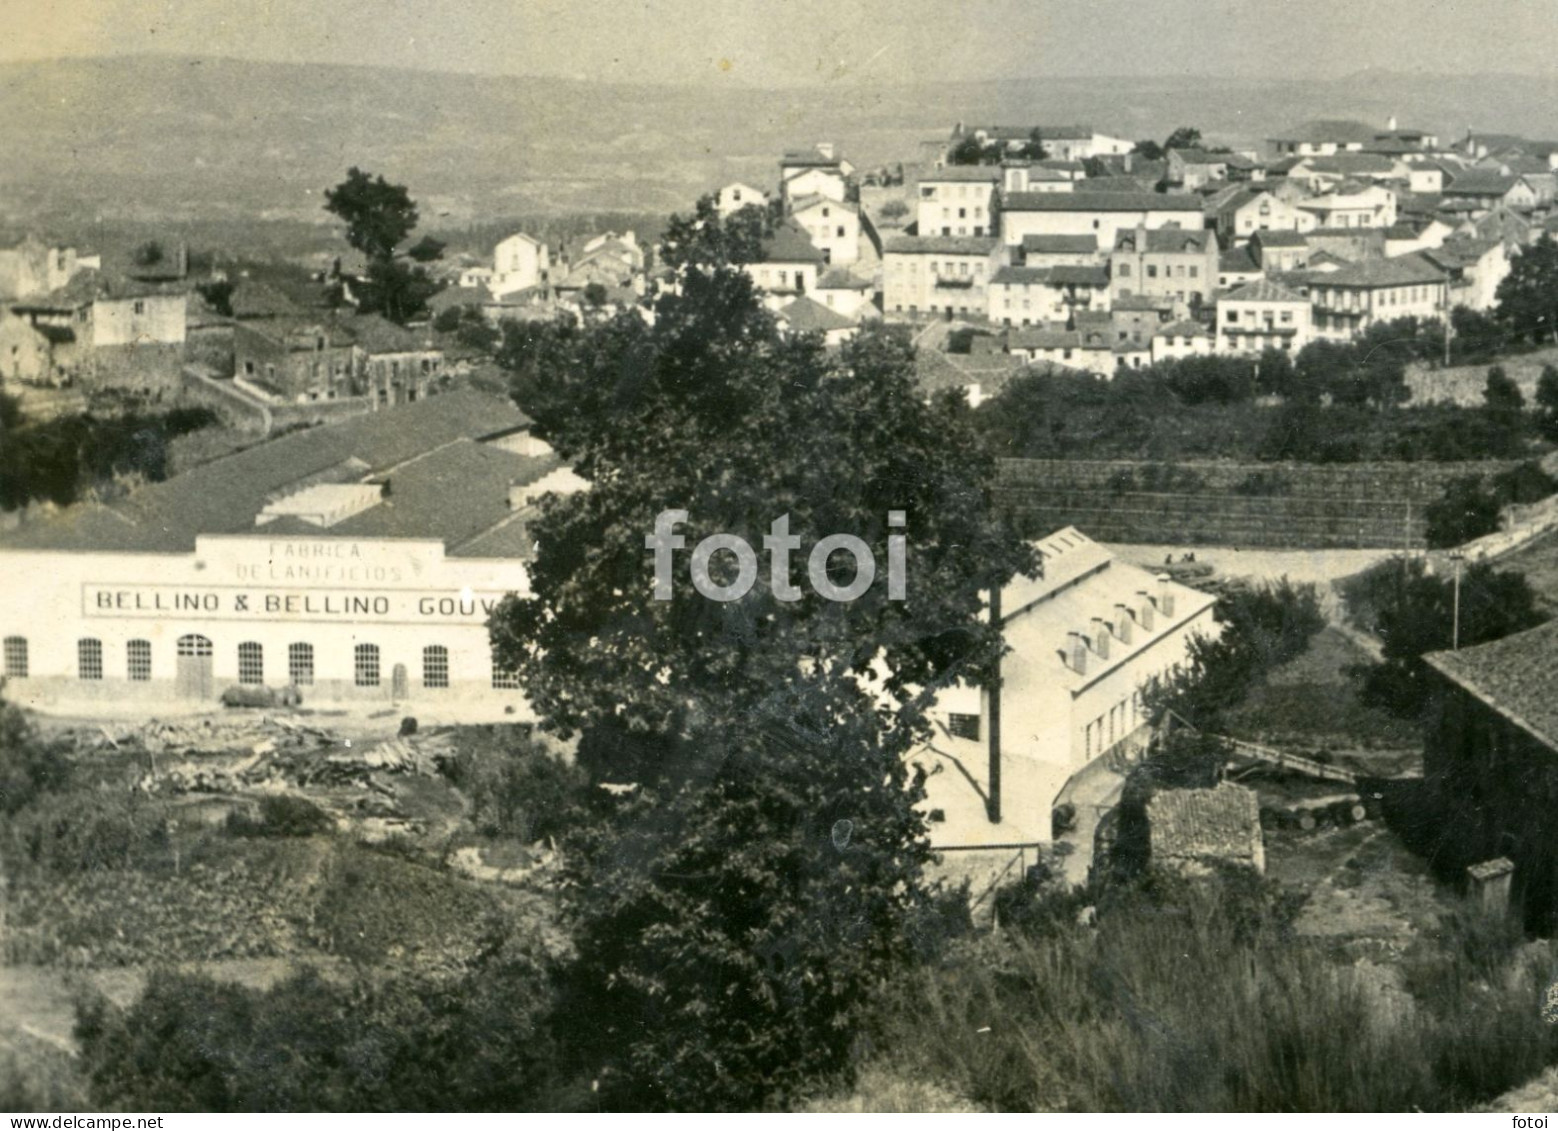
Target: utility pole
1455 624
993 692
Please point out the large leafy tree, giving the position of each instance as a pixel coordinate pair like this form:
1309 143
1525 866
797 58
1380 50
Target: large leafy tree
1547 403
710 411
1185 137
734 921
1528 296
1415 614
379 216
707 239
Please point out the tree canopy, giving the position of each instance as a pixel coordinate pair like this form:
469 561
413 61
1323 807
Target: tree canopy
708 240
1528 296
379 216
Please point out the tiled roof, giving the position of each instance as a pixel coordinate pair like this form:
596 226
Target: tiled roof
942 245
1204 824
258 299
378 335
1060 245
806 315
1143 302
1066 275
954 174
1460 251
1349 164
1193 240
1342 131
1184 328
1280 239
808 159
789 244
1101 202
223 497
813 199
1400 271
1238 261
1261 290
838 279
1039 338
1480 182
1516 676
1023 133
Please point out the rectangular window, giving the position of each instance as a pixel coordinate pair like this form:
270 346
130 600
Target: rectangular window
300 664
140 307
435 666
138 660
963 726
366 665
89 658
15 655
251 663
1152 270
503 679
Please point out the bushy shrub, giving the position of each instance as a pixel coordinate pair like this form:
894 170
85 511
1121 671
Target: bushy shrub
30 765
478 1042
68 833
280 815
1526 482
1465 511
517 789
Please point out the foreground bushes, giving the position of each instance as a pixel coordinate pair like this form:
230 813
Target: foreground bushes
472 1043
1200 999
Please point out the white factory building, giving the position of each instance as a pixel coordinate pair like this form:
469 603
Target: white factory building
1084 640
357 562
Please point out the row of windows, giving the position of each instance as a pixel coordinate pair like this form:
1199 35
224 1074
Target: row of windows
251 662
1174 270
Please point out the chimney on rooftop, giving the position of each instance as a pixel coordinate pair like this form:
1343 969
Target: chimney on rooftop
1144 610
1122 623
1165 595
825 149
1127 163
1391 125
1078 648
1101 637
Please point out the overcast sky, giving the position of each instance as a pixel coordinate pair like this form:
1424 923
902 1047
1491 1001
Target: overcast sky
784 42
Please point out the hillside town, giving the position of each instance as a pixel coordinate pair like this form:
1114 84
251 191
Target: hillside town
1231 478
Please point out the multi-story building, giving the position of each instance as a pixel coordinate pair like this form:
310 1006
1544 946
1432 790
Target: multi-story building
789 268
1098 214
1323 137
1352 298
833 227
1167 262
1061 251
738 195
519 263
1352 205
1263 315
1277 252
819 171
1172 341
1253 209
939 274
1033 296
1475 268
1084 641
959 200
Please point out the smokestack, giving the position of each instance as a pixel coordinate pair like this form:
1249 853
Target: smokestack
1165 595
1101 638
1144 610
1122 623
1078 643
1391 125
993 806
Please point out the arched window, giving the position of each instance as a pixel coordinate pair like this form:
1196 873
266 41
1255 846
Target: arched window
194 645
251 663
138 660
15 654
435 666
89 658
300 664
502 678
367 665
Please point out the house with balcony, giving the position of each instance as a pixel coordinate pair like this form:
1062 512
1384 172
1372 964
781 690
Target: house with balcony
1352 298
939 275
1352 204
1263 315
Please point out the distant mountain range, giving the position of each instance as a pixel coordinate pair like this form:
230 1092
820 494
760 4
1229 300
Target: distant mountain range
158 139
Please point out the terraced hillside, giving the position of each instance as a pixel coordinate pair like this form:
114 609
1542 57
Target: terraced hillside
1315 506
